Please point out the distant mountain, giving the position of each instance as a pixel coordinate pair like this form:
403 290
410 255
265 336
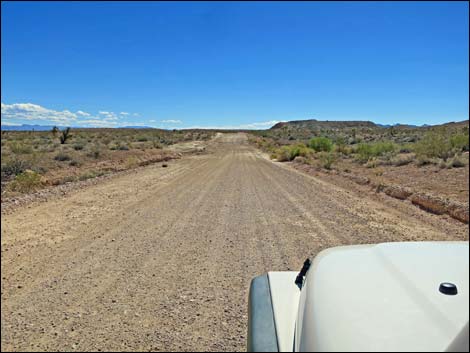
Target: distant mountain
314 124
27 127
317 124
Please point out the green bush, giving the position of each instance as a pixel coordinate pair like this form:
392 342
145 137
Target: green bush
288 153
341 146
435 144
26 181
327 159
20 148
365 151
459 142
321 144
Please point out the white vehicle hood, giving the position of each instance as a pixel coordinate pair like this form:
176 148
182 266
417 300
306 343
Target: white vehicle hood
384 298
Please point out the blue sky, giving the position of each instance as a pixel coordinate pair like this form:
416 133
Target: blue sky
176 65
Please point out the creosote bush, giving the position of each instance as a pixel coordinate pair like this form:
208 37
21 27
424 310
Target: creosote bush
321 144
26 182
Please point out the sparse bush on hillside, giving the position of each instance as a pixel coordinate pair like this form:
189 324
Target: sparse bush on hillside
20 148
435 144
61 157
402 160
288 153
26 181
14 166
341 146
95 152
75 163
321 144
366 151
456 162
327 159
78 146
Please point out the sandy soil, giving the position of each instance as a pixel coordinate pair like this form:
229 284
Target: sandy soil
162 259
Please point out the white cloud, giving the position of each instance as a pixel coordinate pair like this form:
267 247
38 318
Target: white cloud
82 113
170 121
124 113
109 115
18 113
136 114
152 121
7 123
29 111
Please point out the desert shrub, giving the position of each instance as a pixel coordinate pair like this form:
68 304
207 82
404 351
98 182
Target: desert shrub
456 162
142 138
131 162
341 146
283 154
26 181
14 167
401 160
75 163
156 144
366 151
379 172
288 153
327 159
422 160
20 148
321 144
61 157
119 147
406 148
383 148
78 146
434 144
459 142
372 163
95 152
90 174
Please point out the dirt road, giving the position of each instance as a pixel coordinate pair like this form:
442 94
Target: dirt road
161 259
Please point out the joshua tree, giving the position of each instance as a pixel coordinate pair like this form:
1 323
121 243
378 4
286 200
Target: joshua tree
65 135
55 130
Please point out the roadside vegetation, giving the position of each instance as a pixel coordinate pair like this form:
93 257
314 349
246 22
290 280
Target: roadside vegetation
443 146
429 159
31 160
